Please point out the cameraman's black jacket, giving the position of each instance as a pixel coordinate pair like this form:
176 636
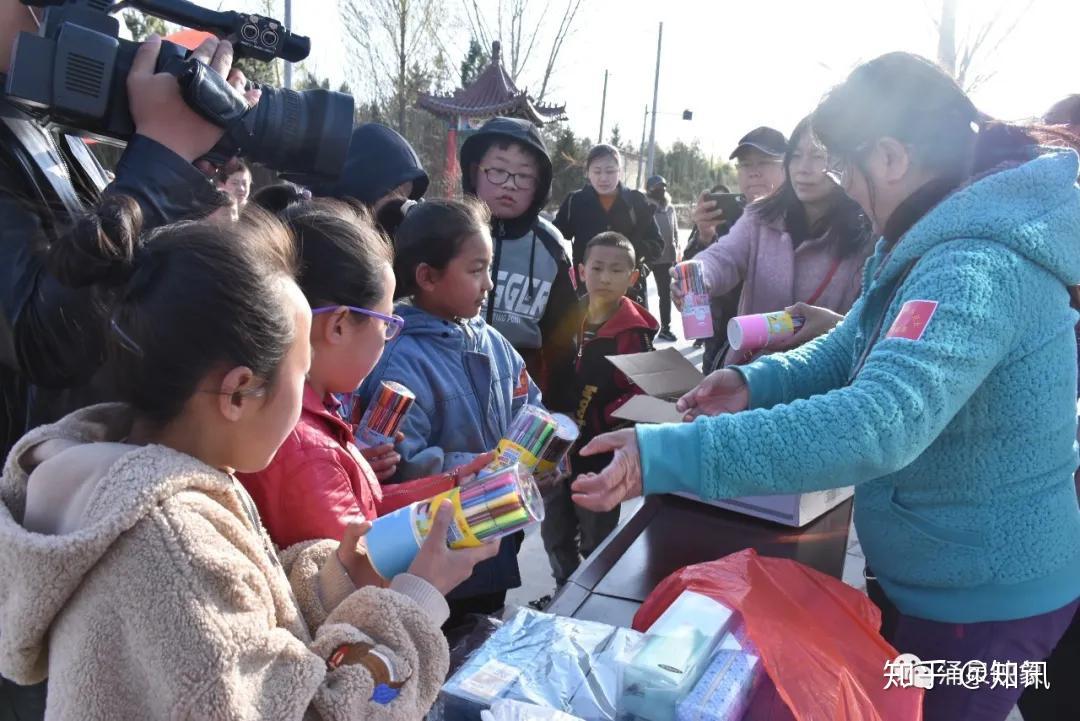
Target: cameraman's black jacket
51 336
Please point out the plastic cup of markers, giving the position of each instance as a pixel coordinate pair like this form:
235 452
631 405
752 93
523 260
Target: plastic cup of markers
553 464
754 332
697 317
384 415
531 432
486 508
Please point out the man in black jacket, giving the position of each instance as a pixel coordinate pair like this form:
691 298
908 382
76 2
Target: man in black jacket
533 300
52 337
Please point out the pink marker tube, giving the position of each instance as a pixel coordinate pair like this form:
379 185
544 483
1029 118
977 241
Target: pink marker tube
696 312
754 332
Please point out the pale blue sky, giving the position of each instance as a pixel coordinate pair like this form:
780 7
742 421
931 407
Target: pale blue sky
742 64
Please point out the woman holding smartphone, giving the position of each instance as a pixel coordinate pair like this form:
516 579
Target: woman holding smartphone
804 244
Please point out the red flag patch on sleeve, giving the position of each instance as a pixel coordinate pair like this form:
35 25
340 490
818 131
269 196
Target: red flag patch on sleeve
913 319
521 390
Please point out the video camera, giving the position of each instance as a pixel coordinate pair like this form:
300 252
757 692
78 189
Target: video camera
73 72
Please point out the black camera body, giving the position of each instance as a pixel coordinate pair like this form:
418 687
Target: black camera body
73 72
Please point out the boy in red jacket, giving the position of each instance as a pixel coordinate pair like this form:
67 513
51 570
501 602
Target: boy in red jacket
608 323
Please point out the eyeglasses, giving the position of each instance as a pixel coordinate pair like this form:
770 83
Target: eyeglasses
838 167
498 176
838 170
392 324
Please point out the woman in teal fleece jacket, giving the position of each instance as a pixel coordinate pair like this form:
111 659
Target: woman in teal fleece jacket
940 396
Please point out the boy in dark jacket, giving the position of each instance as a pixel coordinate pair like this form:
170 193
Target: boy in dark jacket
608 323
533 301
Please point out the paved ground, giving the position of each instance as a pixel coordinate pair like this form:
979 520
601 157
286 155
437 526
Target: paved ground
537 580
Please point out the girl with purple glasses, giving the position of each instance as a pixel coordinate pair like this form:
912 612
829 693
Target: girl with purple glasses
319 480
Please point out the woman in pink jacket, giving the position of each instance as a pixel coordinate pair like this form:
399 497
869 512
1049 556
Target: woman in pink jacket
804 245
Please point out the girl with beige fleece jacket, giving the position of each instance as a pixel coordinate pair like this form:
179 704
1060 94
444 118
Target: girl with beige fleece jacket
136 574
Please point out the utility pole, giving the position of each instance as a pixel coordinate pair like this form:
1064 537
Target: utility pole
641 153
655 93
288 24
603 108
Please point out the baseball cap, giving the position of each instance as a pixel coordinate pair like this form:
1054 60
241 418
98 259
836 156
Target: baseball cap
768 140
655 181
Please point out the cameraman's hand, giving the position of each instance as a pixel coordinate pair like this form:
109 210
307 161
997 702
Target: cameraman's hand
160 112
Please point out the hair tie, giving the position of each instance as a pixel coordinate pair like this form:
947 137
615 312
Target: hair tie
407 205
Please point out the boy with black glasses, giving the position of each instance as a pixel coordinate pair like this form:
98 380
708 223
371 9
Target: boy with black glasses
506 165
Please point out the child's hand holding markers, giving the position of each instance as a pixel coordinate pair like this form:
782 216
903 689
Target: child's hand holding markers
383 459
443 567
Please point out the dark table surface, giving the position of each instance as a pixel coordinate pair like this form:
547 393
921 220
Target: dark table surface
669 532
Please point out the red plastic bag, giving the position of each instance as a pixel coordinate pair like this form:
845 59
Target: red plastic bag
818 637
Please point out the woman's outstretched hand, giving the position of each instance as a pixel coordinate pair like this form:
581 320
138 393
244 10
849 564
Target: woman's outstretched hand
722 391
620 480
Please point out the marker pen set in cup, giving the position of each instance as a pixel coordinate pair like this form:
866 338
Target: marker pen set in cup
696 312
384 414
537 440
486 508
754 332
554 462
502 499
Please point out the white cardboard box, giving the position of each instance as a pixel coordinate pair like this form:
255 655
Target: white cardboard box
790 510
665 375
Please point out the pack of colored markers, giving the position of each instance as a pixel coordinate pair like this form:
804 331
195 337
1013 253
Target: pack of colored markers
384 414
538 441
487 507
696 312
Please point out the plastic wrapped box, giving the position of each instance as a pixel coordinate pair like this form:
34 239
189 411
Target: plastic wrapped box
673 655
724 691
551 661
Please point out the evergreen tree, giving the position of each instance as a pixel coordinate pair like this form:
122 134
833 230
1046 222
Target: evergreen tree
476 59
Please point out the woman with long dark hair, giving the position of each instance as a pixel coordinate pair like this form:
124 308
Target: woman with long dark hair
806 244
941 395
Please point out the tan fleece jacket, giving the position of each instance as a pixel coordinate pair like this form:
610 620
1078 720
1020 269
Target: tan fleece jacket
152 595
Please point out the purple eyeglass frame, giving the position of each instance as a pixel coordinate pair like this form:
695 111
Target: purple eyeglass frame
392 321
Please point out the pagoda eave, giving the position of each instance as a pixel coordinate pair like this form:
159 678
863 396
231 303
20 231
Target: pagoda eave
538 114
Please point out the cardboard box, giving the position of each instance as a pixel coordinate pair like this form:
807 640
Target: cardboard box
665 375
796 509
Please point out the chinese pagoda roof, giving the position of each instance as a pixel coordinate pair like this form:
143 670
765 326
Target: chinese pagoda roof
492 93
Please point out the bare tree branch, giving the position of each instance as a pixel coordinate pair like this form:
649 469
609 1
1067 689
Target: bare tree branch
572 7
982 41
388 38
533 36
477 25
517 13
